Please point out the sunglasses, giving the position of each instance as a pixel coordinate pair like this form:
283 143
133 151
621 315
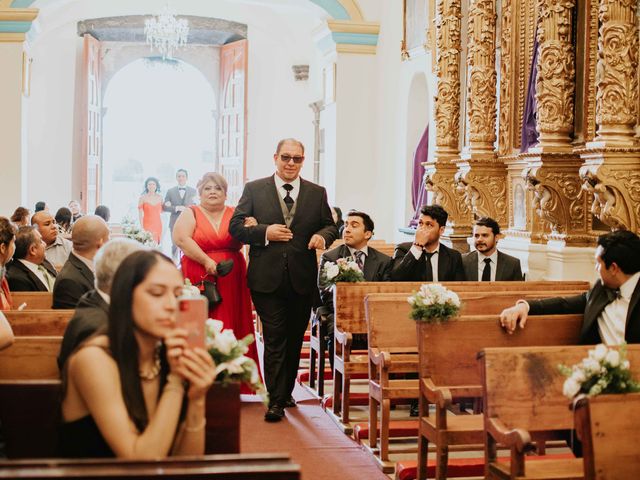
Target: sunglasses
287 158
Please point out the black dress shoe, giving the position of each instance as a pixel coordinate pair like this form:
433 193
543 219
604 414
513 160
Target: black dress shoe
274 414
290 403
415 409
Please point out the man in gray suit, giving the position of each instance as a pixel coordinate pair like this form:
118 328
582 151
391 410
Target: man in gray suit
177 199
486 263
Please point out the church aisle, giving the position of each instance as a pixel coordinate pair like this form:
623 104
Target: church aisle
310 437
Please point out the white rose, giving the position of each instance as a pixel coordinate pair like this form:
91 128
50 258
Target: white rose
578 375
591 365
599 353
215 326
570 388
411 300
332 271
225 341
625 365
353 266
613 358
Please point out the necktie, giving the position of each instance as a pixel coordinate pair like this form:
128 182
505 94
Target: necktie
182 191
359 259
486 272
429 269
45 274
287 199
612 294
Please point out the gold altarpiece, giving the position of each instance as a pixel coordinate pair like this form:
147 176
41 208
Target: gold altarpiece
583 176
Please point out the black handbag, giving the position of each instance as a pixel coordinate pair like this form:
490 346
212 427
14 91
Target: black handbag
210 290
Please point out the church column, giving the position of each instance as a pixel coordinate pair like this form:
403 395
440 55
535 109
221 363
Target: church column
14 79
552 172
611 169
481 176
440 171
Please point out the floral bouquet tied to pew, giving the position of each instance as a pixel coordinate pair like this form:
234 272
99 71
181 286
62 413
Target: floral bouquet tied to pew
343 270
133 231
434 303
605 370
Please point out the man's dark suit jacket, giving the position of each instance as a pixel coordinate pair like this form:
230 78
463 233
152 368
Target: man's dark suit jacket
268 262
92 314
591 304
173 196
407 269
21 279
507 268
377 268
74 280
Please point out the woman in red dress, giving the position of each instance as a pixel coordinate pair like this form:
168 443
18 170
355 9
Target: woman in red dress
202 233
150 206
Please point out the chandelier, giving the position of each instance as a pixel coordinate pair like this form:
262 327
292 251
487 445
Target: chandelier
166 33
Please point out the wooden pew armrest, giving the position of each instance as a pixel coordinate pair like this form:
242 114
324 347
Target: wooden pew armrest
379 358
343 343
438 396
516 439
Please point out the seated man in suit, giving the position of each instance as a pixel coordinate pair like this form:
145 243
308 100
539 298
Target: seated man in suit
29 271
486 262
92 311
427 259
76 277
57 249
611 308
375 265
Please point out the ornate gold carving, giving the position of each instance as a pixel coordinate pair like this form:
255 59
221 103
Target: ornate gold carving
505 132
592 59
481 58
556 72
616 74
447 101
440 181
485 194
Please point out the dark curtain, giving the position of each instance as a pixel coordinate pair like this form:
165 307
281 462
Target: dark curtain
418 192
529 135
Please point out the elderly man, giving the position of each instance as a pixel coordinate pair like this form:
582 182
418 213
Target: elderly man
57 249
29 271
76 277
92 311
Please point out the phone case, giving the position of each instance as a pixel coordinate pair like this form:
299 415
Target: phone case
191 316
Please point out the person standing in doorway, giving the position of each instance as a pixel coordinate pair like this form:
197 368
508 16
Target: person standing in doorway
150 208
176 200
293 220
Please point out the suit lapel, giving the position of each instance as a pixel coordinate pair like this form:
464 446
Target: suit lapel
272 193
633 303
50 268
443 262
500 267
595 304
302 195
370 265
471 268
32 276
82 268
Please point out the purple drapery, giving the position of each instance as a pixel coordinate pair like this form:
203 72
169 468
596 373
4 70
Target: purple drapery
529 136
418 191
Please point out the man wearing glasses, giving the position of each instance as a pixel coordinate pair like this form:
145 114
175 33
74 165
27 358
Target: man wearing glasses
293 220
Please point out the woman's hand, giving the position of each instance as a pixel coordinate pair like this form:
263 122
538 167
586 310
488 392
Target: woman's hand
176 343
250 222
197 367
210 267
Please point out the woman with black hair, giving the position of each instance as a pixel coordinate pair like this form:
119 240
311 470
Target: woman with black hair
64 221
124 389
150 208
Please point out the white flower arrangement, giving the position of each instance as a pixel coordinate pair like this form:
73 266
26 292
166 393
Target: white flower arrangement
228 354
132 230
605 370
343 270
434 303
189 290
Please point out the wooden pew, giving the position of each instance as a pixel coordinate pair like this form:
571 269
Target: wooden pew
523 401
350 320
31 358
608 426
38 322
236 467
33 300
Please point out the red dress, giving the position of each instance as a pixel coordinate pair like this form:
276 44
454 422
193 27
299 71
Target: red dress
235 308
151 220
5 295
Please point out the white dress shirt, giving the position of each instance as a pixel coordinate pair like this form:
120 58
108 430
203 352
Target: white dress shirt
493 265
48 282
417 252
364 250
613 319
283 193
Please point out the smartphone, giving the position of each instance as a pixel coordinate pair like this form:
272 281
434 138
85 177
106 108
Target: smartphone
192 315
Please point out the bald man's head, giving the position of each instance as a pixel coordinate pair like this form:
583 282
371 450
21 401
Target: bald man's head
89 234
46 225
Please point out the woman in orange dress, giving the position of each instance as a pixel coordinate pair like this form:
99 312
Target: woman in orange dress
202 233
150 208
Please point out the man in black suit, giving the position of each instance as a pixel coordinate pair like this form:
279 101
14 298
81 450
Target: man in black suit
76 278
375 265
611 308
293 220
29 271
486 262
92 310
177 199
427 259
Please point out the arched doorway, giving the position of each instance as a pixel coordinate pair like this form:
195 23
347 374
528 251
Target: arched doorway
417 121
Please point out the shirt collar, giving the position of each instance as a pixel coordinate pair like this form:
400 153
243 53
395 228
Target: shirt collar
628 287
30 265
86 261
493 257
294 183
58 241
105 296
364 250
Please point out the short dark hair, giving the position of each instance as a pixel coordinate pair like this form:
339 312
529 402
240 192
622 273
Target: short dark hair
623 248
366 219
488 222
63 217
20 214
291 140
40 206
151 179
25 237
436 212
103 212
7 231
183 171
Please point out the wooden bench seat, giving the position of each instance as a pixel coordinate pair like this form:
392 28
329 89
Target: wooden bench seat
31 358
32 300
39 322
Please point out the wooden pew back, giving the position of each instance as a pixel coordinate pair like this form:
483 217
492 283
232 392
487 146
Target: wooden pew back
31 358
33 300
349 297
39 322
608 427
